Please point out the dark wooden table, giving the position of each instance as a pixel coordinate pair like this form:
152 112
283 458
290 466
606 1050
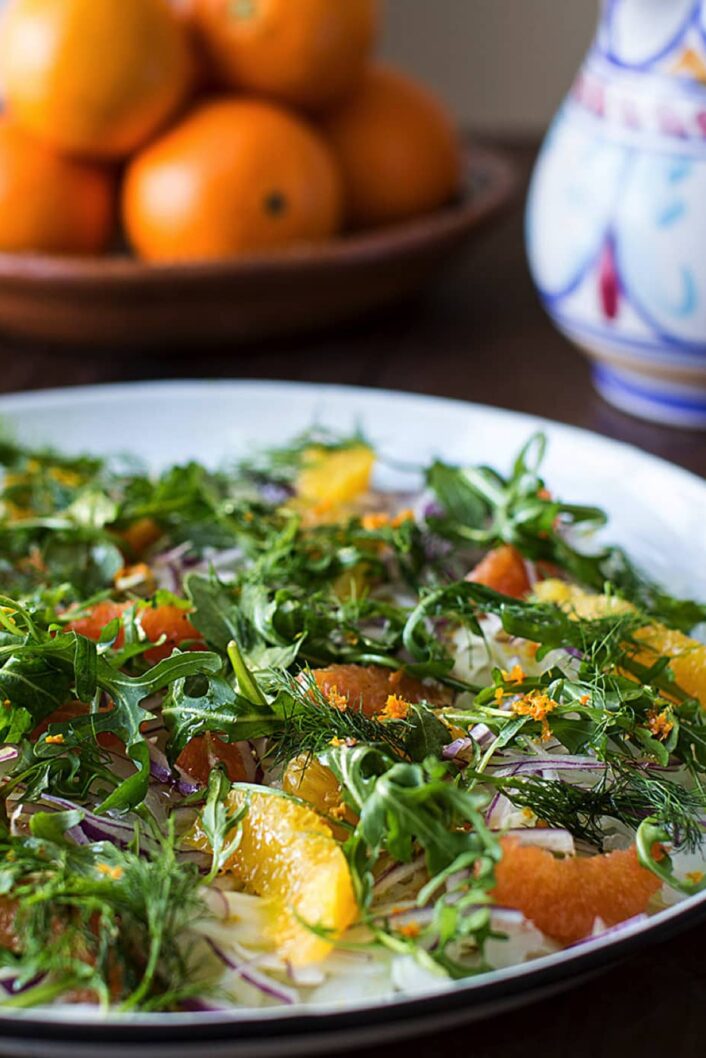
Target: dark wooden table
480 335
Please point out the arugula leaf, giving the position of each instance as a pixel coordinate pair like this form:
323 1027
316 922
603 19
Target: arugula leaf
220 824
33 684
215 614
195 705
425 735
404 805
485 509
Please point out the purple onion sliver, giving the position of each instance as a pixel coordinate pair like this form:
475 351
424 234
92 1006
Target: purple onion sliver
8 753
252 977
482 734
555 764
77 835
275 493
9 985
165 776
492 806
454 749
173 554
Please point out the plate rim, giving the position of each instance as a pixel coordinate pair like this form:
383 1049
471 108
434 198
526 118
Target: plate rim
58 395
510 983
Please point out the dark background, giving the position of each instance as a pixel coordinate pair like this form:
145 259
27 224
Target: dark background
479 335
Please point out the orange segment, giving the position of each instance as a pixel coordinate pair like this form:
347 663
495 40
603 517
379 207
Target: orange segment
688 655
205 752
330 479
503 570
316 784
369 687
170 621
288 856
564 897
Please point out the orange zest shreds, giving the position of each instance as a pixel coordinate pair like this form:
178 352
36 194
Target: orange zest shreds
371 522
660 725
585 699
396 708
115 873
336 700
564 897
378 520
55 740
499 695
695 877
515 675
411 930
503 570
538 706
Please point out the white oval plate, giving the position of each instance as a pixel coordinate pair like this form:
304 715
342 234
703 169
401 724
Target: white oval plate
657 512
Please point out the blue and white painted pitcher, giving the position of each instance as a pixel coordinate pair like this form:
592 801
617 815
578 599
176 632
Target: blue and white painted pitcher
616 220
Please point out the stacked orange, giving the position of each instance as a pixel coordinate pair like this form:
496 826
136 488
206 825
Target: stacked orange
209 128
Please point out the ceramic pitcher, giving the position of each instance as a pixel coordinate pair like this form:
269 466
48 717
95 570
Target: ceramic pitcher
616 223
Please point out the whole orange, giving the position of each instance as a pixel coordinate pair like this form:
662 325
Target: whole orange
399 152
308 53
50 203
235 176
94 77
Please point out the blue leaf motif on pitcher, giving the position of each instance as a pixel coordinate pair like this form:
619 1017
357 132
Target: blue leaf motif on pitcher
577 186
660 251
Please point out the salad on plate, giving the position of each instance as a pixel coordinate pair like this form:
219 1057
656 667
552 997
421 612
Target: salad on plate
271 736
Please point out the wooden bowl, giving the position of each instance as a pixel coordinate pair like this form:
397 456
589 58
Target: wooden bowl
120 301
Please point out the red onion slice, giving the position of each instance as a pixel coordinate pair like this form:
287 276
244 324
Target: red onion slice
253 977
